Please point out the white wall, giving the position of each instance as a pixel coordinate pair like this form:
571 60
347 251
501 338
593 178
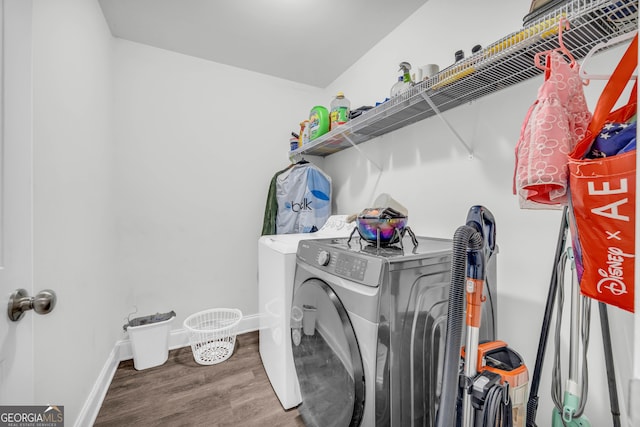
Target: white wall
428 170
151 175
74 227
197 144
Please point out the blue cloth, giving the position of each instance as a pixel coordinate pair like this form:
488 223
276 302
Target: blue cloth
615 138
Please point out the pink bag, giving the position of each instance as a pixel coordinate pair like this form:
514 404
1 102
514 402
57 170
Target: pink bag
553 125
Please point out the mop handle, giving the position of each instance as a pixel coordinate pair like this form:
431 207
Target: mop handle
574 329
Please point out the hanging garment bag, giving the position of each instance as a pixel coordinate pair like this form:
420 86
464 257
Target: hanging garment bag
303 194
603 195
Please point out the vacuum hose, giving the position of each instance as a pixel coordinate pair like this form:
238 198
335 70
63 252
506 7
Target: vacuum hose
464 237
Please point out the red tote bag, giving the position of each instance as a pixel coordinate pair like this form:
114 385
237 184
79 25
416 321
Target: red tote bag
603 199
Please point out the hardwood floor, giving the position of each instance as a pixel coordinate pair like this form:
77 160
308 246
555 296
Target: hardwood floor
181 392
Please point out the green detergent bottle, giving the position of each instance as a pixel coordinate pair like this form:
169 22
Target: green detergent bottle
318 122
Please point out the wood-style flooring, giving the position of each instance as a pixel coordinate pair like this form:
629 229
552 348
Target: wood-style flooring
181 392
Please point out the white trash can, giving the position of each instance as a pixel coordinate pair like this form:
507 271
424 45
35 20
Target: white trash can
150 339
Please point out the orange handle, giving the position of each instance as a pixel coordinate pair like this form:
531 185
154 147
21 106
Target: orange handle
474 301
616 84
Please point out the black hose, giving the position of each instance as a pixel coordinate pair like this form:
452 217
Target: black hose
465 236
497 409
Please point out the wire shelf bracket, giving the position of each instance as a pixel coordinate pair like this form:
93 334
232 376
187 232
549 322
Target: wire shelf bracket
446 122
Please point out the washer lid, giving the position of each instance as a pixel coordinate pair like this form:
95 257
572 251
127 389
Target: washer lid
284 243
336 226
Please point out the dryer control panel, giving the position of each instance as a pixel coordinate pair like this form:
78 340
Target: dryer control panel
349 265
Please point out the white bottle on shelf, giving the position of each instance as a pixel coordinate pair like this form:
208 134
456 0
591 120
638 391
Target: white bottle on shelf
339 114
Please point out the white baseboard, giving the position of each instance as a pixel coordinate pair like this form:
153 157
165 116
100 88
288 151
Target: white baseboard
122 351
249 323
92 405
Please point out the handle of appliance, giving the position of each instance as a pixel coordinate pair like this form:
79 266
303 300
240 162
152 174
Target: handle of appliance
20 302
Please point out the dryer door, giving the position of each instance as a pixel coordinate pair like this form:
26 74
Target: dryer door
327 358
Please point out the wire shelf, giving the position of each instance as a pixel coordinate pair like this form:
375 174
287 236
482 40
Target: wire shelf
505 63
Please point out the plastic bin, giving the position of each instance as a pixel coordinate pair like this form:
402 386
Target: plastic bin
309 319
150 339
212 334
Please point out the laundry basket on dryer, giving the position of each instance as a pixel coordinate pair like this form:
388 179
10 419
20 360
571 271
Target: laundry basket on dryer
212 334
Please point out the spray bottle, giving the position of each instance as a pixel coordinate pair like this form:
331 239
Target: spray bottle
404 82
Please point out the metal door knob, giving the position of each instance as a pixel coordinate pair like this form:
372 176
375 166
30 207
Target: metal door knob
20 301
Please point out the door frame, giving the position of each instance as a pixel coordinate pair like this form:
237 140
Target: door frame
17 377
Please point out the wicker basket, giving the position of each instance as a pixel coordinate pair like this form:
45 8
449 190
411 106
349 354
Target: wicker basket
212 334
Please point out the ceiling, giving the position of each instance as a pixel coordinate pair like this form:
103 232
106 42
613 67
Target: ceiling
311 42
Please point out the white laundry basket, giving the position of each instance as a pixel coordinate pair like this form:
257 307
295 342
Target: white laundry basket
212 334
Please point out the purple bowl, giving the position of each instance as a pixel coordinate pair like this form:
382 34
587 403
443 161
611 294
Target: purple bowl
369 227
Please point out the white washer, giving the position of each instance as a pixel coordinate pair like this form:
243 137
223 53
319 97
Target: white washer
276 270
